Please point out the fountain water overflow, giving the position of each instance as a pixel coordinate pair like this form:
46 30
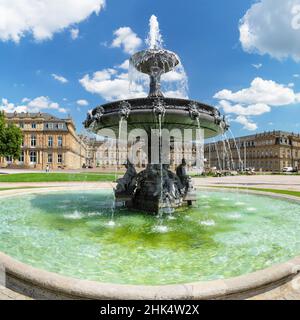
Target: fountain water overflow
156 188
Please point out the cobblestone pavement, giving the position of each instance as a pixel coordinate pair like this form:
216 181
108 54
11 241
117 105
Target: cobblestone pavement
288 291
284 182
6 294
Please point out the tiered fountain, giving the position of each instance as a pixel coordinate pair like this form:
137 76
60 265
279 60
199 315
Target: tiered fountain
156 187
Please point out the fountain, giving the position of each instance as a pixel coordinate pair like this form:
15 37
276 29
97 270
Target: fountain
156 188
57 234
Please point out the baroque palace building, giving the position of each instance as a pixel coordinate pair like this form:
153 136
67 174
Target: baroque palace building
47 141
268 151
53 142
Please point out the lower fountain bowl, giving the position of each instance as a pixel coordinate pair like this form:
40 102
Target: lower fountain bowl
41 224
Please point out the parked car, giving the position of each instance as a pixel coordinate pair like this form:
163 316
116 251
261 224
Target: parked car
289 169
250 171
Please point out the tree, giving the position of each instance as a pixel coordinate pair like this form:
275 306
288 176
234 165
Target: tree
10 139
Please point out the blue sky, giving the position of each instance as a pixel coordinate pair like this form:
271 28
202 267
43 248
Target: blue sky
41 69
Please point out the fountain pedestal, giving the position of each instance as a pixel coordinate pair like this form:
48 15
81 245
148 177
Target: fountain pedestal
156 188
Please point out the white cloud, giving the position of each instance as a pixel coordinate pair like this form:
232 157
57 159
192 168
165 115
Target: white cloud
296 75
175 94
261 91
250 110
82 103
247 124
173 76
25 100
111 85
124 65
127 39
257 66
256 100
39 104
268 27
42 18
59 78
74 33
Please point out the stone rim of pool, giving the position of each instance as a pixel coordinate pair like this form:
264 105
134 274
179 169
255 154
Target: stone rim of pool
40 284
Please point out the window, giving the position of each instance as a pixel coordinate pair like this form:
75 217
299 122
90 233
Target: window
32 156
50 141
50 125
60 141
21 159
50 157
60 126
59 158
33 125
9 159
33 140
21 125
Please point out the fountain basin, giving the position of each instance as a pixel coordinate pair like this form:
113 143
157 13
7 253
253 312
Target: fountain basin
177 115
43 284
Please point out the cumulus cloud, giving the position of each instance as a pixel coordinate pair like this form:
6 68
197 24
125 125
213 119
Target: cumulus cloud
124 65
59 78
272 27
257 66
113 83
251 110
39 104
256 100
128 40
261 91
42 18
173 76
82 103
247 124
74 33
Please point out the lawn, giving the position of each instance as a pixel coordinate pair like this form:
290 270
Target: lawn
17 188
57 177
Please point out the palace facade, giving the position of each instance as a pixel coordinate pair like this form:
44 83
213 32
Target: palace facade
47 141
268 152
53 142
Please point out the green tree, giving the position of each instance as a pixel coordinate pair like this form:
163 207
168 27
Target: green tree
10 139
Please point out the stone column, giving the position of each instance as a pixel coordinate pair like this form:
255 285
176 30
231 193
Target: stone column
26 158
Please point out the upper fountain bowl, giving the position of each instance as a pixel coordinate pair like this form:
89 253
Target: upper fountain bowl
145 60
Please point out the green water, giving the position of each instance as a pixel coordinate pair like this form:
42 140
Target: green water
72 233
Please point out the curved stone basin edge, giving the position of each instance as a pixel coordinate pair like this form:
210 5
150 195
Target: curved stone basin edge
40 284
